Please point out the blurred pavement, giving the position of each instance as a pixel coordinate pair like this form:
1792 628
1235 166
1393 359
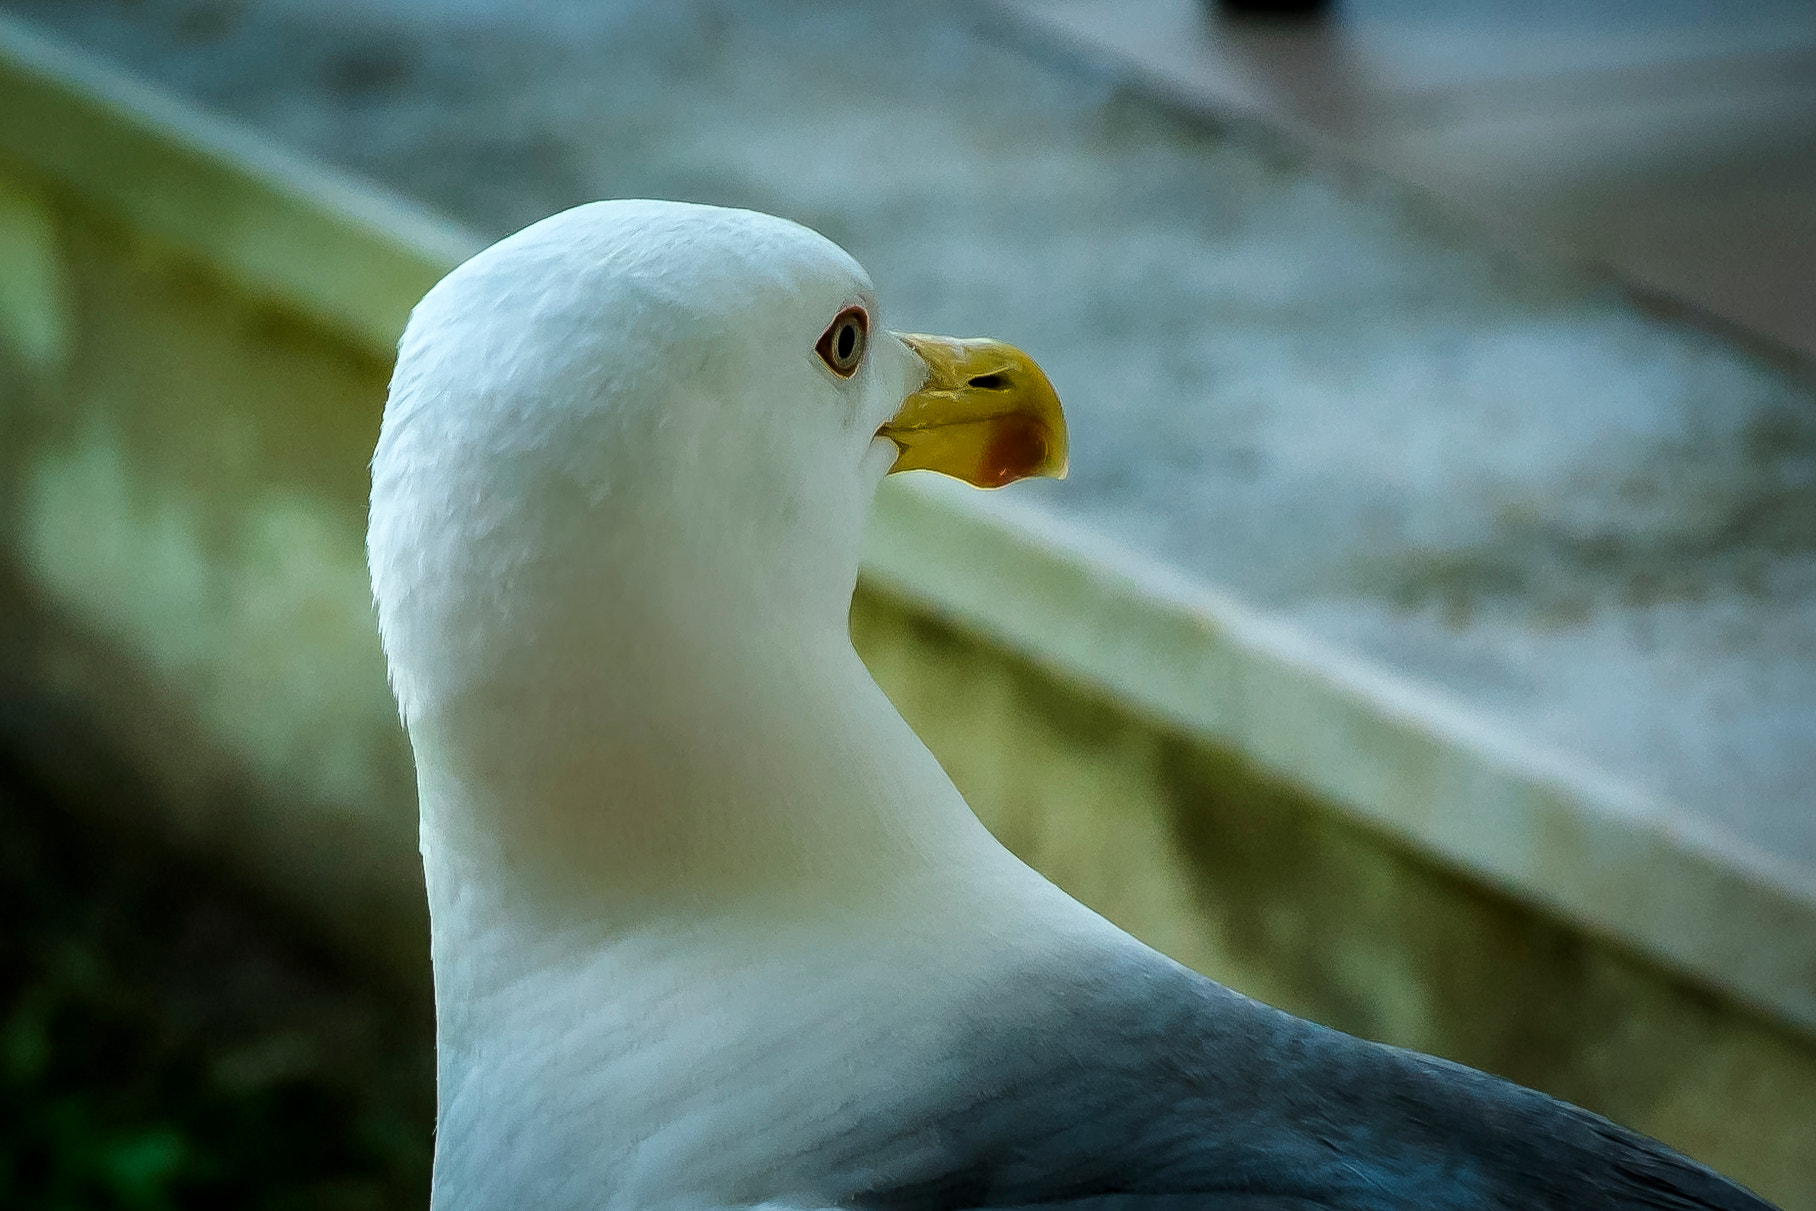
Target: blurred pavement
1671 140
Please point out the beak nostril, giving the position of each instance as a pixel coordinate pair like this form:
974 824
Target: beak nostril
990 382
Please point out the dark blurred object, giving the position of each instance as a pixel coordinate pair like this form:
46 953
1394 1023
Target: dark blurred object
167 1042
1271 8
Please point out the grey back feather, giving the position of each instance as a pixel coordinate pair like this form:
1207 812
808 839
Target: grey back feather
1146 1087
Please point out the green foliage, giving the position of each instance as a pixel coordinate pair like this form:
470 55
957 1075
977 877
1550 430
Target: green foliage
165 1043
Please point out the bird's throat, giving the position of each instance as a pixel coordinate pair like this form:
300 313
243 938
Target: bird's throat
638 787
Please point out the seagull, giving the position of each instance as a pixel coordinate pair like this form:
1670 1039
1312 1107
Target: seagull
710 926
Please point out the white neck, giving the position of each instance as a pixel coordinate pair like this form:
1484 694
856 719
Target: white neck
641 883
693 774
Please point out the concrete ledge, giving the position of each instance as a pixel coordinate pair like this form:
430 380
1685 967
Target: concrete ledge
342 254
1530 823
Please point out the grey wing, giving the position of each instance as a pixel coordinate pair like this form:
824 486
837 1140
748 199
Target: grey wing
1155 1089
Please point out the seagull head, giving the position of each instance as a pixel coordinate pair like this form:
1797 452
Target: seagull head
633 447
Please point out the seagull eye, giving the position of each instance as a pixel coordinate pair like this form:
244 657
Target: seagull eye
841 346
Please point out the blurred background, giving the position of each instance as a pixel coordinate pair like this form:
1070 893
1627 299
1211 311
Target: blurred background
1425 640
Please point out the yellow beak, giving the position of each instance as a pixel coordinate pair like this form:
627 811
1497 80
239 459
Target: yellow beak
986 414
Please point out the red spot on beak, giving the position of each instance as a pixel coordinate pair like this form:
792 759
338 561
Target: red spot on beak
1018 448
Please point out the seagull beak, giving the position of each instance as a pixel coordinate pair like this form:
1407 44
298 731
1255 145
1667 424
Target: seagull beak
986 414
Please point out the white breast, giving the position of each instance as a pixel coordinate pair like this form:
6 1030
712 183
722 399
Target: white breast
732 1064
